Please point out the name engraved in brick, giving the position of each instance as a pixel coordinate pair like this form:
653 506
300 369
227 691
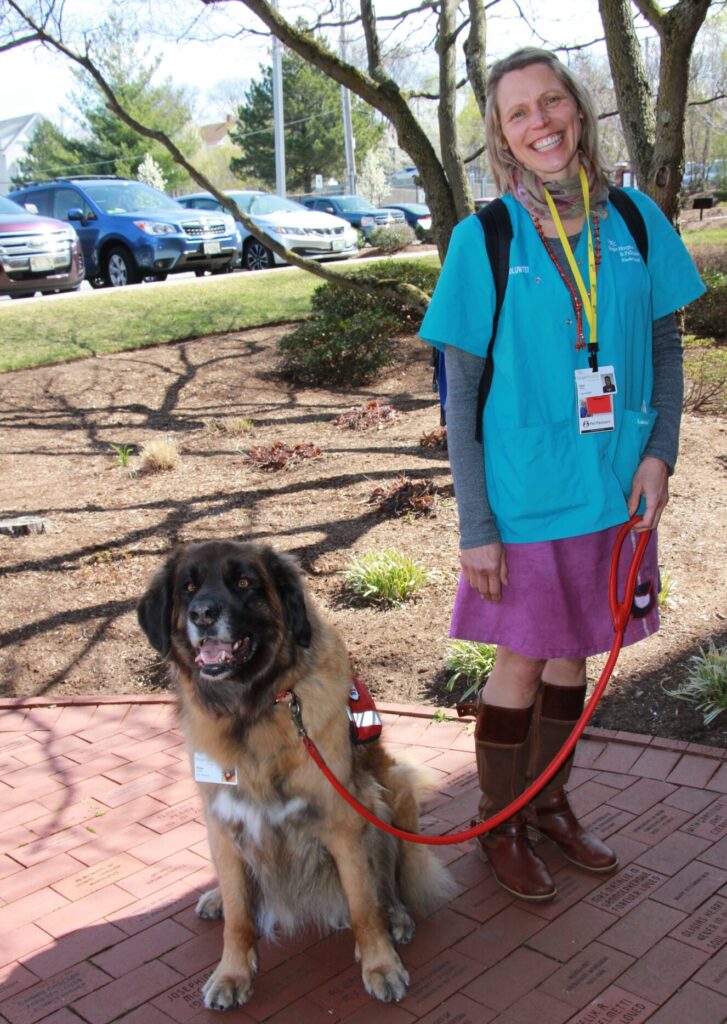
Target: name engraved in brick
96 877
656 824
625 1010
711 823
707 928
175 816
608 821
54 993
625 890
183 1001
444 976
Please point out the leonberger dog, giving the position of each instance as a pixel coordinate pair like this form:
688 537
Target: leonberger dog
238 628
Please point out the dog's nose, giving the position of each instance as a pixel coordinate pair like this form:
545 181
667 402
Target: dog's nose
204 612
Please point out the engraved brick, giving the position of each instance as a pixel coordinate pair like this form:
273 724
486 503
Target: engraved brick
122 995
606 820
625 890
654 825
692 886
342 994
52 994
162 874
184 1001
586 975
711 823
173 817
98 877
614 1006
706 928
434 982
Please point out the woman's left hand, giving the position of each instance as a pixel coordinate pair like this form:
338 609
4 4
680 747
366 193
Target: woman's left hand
651 482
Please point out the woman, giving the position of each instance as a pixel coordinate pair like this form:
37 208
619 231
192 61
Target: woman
564 465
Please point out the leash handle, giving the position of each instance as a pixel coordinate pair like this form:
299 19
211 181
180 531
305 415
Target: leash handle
620 613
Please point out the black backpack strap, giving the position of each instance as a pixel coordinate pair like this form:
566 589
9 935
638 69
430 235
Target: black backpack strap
632 218
497 228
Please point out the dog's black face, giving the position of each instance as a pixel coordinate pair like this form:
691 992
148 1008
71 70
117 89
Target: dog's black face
232 617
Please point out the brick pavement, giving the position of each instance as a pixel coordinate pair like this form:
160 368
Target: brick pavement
103 854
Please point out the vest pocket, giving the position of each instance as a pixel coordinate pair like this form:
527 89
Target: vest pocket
632 439
534 472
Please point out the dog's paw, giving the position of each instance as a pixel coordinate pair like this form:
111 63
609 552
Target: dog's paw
401 925
209 905
388 982
225 989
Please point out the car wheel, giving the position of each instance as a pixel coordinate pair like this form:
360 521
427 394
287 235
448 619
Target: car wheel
97 282
256 256
120 268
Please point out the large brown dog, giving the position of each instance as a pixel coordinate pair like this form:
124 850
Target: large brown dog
238 628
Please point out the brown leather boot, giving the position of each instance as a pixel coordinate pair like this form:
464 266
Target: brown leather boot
501 745
550 814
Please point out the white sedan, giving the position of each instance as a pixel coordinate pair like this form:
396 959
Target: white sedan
318 236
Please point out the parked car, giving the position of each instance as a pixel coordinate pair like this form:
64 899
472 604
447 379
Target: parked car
417 216
130 231
317 236
356 210
37 254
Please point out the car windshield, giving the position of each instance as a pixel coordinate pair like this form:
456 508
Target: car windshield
8 206
353 204
129 197
273 204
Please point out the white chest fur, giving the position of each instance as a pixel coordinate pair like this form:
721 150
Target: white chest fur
228 806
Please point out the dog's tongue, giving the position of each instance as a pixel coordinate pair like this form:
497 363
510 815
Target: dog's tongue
212 652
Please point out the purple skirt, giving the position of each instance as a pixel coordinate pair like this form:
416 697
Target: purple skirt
556 603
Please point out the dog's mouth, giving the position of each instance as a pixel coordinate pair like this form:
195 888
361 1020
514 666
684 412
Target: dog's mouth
217 659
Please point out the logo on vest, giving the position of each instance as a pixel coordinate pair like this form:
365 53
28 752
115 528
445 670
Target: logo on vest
519 270
627 253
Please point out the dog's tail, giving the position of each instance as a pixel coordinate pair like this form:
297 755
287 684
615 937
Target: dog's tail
424 882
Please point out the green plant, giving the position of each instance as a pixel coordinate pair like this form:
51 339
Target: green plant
469 662
385 577
666 599
392 239
123 453
706 685
348 338
706 317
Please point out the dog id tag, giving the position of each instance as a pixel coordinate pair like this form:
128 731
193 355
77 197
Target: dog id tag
207 770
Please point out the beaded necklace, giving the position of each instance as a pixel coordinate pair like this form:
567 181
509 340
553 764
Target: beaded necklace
575 299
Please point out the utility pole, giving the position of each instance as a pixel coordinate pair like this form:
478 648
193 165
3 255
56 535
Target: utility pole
278 114
349 141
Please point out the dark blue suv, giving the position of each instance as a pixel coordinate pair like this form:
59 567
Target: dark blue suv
357 211
131 232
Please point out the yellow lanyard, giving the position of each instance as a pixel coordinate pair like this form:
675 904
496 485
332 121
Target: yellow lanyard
588 298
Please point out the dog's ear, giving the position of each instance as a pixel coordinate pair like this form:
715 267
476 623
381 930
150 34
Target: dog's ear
287 581
154 611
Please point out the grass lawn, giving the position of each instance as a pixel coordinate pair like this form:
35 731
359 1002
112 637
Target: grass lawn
112 320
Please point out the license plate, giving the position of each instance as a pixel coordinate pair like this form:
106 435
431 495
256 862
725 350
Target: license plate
41 262
337 245
211 248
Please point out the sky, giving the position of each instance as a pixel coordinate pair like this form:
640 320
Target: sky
47 81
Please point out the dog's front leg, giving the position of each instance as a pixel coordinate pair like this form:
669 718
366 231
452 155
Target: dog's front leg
384 975
231 982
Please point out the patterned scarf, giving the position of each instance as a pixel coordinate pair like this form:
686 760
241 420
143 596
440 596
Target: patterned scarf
567 194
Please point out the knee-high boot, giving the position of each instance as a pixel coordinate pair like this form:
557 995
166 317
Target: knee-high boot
501 743
550 814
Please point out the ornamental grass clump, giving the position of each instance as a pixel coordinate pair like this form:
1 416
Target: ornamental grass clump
160 455
706 685
468 662
386 578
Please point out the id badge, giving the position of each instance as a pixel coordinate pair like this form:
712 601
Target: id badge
594 399
207 770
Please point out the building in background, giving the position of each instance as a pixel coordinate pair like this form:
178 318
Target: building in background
15 134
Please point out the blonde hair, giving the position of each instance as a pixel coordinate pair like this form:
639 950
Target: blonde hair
502 162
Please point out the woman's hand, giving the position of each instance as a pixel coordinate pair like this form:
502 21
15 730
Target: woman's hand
485 569
651 481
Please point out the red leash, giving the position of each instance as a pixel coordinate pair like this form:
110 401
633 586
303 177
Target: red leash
620 613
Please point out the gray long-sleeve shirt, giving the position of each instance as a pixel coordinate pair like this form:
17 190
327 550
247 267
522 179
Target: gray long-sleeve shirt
476 521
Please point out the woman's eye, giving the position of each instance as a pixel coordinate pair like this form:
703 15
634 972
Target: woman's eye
517 114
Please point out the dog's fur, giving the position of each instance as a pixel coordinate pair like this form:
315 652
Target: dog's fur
238 627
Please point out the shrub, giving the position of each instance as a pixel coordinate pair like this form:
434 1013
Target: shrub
705 375
707 316
469 662
348 338
385 577
392 239
706 685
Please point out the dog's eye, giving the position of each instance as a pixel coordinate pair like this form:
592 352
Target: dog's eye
243 582
190 587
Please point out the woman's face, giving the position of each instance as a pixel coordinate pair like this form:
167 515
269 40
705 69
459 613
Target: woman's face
540 121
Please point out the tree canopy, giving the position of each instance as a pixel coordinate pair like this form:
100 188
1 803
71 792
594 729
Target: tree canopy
313 127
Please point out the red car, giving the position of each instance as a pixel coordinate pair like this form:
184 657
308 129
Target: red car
37 254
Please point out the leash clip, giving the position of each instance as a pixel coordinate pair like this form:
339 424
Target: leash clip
296 712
